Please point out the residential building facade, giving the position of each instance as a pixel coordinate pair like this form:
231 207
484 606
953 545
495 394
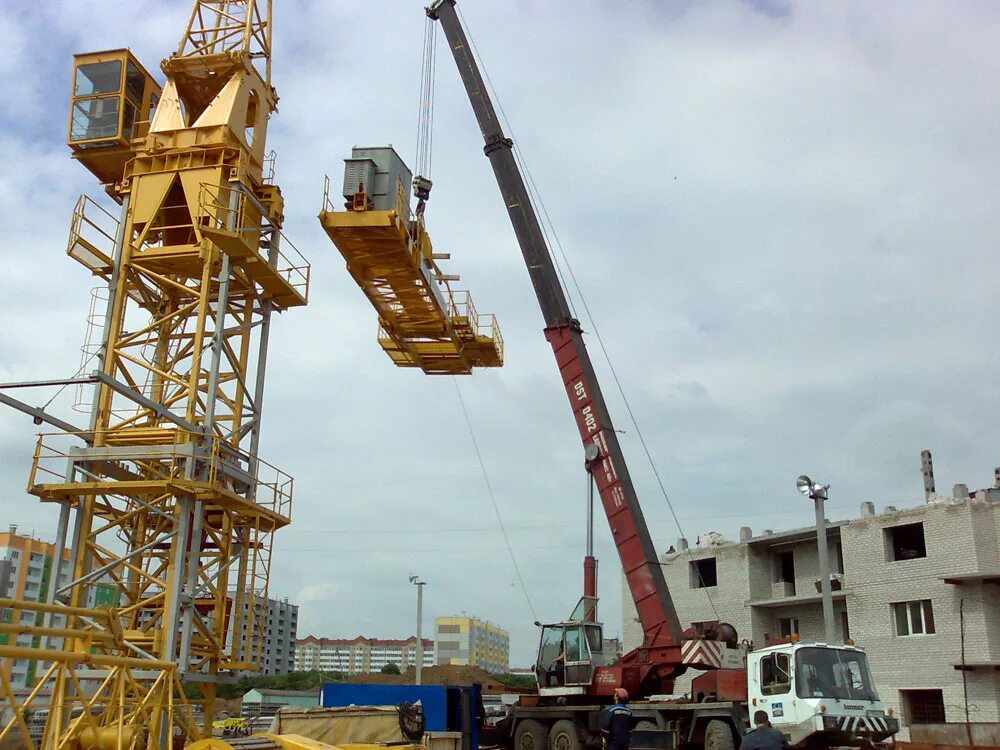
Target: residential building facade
471 641
25 572
918 589
352 656
274 638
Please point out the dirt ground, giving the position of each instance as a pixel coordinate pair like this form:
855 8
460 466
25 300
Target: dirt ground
232 707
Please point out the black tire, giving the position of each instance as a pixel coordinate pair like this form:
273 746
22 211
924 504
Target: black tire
718 736
563 736
531 735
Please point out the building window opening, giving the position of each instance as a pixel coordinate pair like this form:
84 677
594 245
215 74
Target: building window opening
704 573
914 618
905 542
923 706
788 626
784 567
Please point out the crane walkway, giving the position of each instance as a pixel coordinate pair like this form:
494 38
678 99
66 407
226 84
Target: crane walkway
422 321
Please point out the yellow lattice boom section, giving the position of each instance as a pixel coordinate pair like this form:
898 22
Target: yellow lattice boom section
422 321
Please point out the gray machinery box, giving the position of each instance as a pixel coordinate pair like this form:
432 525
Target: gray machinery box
378 169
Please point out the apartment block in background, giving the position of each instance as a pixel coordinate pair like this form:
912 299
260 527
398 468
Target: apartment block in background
471 641
352 656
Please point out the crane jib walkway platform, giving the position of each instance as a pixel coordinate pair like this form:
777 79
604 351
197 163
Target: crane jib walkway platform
423 322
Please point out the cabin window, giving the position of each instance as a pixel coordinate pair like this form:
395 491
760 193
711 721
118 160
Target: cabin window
775 676
98 78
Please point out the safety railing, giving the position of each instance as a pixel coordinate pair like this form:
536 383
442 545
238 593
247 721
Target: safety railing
463 312
293 267
92 235
489 328
274 488
62 458
460 307
139 129
327 203
267 173
234 209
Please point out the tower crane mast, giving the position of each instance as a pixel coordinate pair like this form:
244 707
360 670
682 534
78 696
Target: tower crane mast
162 496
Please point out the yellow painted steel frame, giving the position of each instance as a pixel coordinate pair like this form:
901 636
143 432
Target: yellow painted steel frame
170 502
422 321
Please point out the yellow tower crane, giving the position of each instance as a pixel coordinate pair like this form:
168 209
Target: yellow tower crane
163 495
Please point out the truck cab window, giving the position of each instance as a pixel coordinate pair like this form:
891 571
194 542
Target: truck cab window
595 639
551 647
574 649
833 673
775 678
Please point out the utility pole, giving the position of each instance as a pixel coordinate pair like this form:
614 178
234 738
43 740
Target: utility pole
818 493
415 580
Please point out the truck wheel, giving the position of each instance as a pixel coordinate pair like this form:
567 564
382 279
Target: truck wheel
563 736
530 735
718 736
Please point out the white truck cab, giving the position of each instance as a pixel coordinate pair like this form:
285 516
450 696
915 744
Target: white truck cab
810 689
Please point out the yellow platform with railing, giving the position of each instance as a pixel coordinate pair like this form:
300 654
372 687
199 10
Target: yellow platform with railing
158 463
422 321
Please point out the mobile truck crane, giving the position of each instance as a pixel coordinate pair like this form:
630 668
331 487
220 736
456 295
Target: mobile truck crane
819 694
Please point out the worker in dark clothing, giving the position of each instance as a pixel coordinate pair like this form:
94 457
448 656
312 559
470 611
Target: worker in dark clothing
763 736
616 726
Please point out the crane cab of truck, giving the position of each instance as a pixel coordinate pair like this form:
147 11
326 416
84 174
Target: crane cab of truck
569 651
815 688
112 103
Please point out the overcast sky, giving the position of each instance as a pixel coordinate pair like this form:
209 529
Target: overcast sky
782 216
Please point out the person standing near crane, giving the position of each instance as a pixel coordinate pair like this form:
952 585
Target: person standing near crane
616 726
763 736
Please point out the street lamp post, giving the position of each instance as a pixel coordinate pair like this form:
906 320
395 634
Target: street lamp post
818 493
415 580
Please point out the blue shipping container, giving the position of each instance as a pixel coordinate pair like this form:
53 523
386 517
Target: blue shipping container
433 699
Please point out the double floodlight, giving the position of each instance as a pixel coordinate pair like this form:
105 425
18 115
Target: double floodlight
811 489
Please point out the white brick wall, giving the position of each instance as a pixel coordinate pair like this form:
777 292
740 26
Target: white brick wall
961 538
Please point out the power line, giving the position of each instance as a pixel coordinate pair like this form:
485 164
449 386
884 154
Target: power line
514 527
493 500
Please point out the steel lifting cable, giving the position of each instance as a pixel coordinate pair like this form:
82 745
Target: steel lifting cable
496 508
536 195
425 111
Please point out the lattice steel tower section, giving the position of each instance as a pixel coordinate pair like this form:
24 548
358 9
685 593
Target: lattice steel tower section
163 494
